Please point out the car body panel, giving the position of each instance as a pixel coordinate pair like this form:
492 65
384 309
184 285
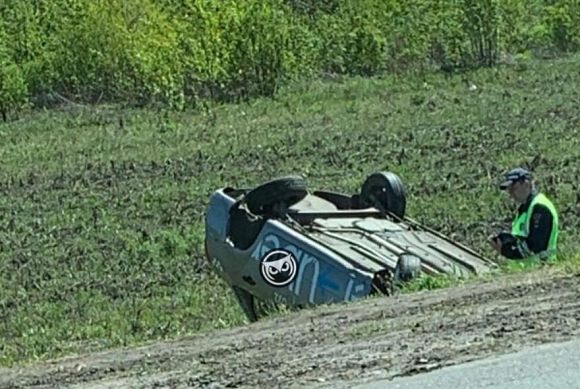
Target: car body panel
378 243
322 276
323 254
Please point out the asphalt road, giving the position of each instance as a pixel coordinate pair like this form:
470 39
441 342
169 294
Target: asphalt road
550 366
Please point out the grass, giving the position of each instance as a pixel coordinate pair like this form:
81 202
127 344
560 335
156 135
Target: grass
568 264
101 208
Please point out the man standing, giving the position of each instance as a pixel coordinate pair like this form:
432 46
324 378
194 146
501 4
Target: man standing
534 231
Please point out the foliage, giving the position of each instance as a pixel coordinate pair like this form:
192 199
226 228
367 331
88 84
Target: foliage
181 53
13 86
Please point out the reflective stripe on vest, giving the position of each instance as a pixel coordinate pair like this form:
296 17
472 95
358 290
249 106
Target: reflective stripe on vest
521 228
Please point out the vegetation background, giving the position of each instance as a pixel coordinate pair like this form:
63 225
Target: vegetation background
177 52
119 118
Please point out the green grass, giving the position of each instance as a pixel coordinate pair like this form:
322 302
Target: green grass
568 264
101 208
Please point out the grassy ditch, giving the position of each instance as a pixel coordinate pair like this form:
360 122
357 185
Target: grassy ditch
101 208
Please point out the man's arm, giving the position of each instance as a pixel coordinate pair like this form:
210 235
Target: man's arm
540 229
538 238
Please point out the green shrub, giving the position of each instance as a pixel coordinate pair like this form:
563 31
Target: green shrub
481 22
176 52
562 20
352 40
539 24
125 50
13 88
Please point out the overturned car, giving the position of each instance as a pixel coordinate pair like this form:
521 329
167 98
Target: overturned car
283 244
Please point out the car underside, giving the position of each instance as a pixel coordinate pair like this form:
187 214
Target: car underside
282 243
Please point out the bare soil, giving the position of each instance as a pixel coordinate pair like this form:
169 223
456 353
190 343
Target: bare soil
341 344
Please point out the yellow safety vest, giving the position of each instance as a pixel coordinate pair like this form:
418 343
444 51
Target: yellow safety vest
521 229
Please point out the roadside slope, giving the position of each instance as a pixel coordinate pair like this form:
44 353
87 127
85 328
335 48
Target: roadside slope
378 338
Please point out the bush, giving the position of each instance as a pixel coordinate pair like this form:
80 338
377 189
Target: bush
118 50
176 52
236 49
562 20
13 88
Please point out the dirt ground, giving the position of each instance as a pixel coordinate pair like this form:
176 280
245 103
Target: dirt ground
338 345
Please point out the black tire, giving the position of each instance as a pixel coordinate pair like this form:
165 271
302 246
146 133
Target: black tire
254 308
246 301
386 189
289 189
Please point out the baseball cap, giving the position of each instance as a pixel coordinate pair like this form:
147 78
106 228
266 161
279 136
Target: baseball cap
514 176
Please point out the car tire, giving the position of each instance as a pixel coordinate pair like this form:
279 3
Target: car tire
246 301
408 268
254 308
385 190
289 190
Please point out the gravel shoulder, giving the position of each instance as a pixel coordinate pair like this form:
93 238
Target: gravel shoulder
339 345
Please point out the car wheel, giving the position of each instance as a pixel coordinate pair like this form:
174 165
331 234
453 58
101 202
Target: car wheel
408 268
288 190
246 301
253 307
385 190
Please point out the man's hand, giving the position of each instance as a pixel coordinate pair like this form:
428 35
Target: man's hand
495 243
